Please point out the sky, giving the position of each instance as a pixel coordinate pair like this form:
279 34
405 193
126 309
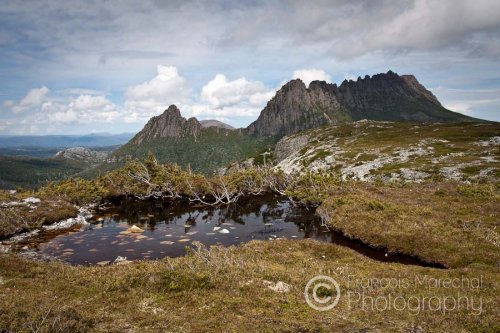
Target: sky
77 67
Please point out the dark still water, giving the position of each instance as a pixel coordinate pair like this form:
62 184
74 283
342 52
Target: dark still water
167 228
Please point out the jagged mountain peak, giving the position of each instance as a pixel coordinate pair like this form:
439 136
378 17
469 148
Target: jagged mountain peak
170 124
172 111
385 96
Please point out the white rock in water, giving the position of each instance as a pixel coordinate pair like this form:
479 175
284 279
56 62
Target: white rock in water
121 261
224 231
103 263
135 228
216 228
32 200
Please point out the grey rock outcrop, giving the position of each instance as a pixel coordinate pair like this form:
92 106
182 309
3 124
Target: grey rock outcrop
388 96
289 145
83 154
170 124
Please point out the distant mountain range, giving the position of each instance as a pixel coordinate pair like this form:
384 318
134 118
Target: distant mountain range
215 123
64 141
208 145
294 108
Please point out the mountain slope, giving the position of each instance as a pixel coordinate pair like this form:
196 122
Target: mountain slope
388 96
215 123
207 146
370 150
174 139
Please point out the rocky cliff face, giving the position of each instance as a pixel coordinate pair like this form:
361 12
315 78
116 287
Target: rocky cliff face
170 124
389 96
295 108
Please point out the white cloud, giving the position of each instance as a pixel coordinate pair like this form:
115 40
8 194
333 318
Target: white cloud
468 101
220 98
309 75
8 104
461 107
349 76
219 92
32 99
149 98
85 109
166 85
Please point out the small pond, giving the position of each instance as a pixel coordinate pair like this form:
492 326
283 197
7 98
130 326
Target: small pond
170 227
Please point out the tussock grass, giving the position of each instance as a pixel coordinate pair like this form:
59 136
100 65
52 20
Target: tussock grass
223 290
451 223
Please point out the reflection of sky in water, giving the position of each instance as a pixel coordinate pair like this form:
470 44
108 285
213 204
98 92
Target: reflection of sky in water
169 229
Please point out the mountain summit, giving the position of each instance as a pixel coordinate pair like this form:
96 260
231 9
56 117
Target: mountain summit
388 97
170 124
208 145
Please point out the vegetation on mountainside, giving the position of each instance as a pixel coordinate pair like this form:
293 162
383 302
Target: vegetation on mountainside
390 151
32 172
210 151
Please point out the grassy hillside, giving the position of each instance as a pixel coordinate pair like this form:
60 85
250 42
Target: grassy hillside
213 149
369 150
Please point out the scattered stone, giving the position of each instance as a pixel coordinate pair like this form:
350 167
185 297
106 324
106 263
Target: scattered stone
4 248
216 228
135 229
279 287
103 263
224 231
121 261
184 240
147 306
167 242
32 200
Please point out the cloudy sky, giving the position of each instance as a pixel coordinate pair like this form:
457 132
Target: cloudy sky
73 67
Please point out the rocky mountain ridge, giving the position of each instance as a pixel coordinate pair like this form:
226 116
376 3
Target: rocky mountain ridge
386 97
295 108
170 124
206 146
